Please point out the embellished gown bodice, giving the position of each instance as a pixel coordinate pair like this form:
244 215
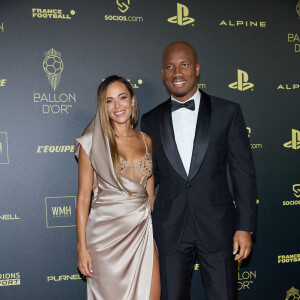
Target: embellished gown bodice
139 171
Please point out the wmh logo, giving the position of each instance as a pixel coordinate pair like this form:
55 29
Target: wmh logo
60 211
294 143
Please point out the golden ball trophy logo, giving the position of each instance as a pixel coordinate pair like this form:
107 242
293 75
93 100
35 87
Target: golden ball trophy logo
292 294
182 17
53 67
298 8
53 103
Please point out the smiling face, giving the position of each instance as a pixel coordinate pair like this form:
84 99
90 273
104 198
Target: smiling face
119 102
180 70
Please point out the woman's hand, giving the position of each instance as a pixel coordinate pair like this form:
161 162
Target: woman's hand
84 263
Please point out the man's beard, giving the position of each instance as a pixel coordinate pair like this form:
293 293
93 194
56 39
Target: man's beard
179 95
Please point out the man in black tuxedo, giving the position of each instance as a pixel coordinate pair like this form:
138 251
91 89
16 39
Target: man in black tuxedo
195 136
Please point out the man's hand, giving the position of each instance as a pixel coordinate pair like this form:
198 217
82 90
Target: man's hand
242 242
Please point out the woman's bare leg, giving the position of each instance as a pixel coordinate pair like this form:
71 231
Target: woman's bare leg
155 283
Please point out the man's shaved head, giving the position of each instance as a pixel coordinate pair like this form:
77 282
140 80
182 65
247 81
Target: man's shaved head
180 46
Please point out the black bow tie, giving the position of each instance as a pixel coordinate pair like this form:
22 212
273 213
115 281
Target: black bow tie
189 105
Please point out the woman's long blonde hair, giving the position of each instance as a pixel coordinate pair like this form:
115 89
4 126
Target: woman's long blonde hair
107 124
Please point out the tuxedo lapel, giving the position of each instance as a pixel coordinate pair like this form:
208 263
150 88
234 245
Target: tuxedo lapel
168 140
201 135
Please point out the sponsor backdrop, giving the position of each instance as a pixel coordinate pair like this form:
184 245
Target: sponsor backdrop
53 56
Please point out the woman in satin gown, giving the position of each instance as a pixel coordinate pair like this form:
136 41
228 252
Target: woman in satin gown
116 250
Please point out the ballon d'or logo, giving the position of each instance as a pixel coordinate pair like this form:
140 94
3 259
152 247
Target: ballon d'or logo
53 67
292 294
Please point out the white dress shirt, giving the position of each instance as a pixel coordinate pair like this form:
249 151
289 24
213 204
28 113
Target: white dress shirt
184 124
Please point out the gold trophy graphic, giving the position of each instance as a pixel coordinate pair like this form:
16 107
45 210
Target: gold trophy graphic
292 294
53 67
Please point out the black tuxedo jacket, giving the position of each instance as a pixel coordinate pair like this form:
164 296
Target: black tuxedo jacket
220 139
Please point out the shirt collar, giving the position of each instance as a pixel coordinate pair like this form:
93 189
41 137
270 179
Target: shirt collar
196 98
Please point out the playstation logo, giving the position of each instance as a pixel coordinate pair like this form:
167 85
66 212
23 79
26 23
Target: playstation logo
123 6
182 16
242 83
295 142
296 190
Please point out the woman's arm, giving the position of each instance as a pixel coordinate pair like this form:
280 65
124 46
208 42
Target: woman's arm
150 191
85 186
150 182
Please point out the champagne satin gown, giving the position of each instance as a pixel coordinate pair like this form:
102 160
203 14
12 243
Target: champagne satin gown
119 228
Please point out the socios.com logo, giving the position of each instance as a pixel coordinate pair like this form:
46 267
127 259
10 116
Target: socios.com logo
249 131
296 190
182 17
123 6
242 83
294 143
53 67
253 146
